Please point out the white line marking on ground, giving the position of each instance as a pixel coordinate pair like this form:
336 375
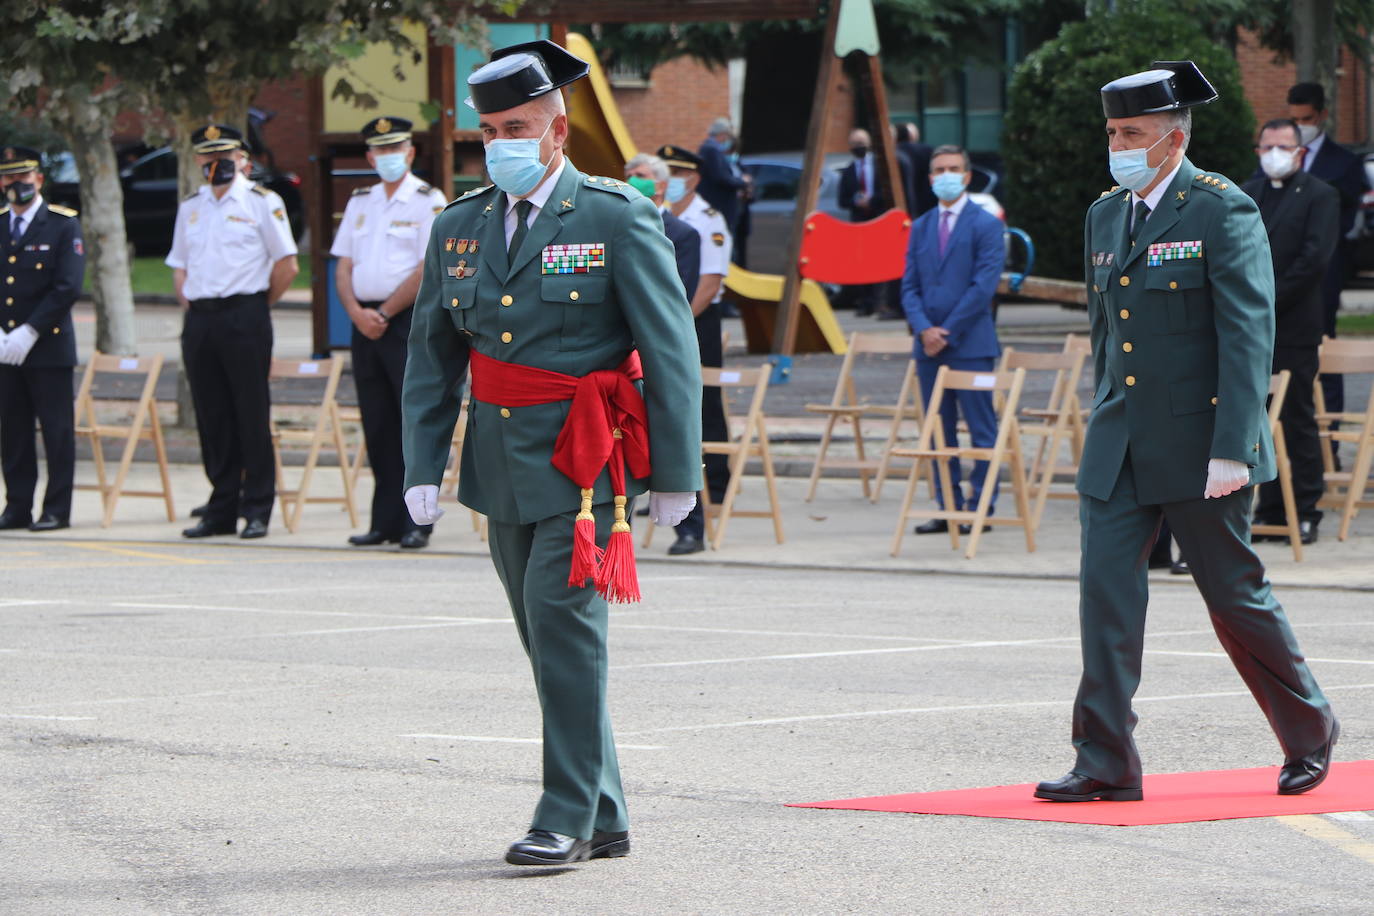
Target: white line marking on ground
792 656
115 701
798 634
50 718
336 632
627 747
22 602
305 613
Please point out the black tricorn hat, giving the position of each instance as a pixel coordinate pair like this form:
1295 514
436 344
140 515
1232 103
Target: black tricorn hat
216 138
677 157
16 160
1166 86
520 73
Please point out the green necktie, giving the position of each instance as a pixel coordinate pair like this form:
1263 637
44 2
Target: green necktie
1142 213
522 229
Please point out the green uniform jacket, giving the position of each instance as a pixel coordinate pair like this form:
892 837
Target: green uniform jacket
573 323
1182 336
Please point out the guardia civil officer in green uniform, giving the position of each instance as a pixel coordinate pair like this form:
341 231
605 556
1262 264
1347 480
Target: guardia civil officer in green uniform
1181 304
560 292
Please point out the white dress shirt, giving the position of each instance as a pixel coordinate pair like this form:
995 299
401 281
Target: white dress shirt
227 245
1155 196
386 236
715 238
1312 149
19 222
539 198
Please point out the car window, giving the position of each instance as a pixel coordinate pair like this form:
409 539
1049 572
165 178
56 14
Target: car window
62 168
775 182
157 164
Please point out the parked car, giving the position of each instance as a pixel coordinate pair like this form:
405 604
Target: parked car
151 195
777 178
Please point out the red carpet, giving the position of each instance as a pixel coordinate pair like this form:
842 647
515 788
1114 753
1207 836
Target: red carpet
1170 798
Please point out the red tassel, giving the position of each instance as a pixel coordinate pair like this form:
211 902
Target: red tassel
617 580
586 555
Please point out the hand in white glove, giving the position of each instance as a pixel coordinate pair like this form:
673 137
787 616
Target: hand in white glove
668 509
18 345
4 345
423 504
1224 477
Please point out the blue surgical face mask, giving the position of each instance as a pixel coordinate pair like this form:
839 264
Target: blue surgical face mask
677 189
948 186
391 166
1131 167
514 164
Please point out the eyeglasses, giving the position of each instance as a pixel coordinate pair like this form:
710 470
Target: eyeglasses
1287 149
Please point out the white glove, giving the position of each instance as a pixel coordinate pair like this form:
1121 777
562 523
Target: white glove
18 345
668 509
423 504
4 345
1224 477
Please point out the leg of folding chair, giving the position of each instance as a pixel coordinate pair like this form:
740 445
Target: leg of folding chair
864 473
820 456
1290 509
1359 479
160 449
135 428
282 496
1018 486
727 504
766 457
904 515
337 431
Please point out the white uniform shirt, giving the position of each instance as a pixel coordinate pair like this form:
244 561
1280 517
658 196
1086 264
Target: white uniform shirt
715 238
228 246
386 237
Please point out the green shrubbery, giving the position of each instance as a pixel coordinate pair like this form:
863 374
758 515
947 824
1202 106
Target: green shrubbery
1054 145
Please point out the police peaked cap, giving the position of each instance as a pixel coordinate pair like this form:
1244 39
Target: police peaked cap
1168 85
677 157
520 73
16 160
216 138
385 131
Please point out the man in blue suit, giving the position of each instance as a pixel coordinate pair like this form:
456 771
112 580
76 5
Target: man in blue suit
953 265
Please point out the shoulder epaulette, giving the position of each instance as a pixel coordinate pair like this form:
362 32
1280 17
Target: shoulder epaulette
474 193
260 190
710 211
1110 191
5 209
1212 182
192 196
61 210
611 184
425 188
359 192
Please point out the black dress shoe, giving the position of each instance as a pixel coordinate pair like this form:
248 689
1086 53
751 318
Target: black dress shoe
12 520
1180 567
968 529
1307 772
544 847
934 526
1075 787
49 522
610 845
204 529
414 539
199 511
1307 532
686 543
253 528
371 539
1160 560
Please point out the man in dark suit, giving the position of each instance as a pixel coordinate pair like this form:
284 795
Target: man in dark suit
1300 215
921 198
722 183
1340 168
1180 291
953 265
864 193
648 174
44 262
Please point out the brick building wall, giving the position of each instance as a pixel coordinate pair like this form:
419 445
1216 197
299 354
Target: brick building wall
682 99
1267 81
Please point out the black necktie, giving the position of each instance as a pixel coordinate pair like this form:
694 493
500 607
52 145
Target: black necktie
1142 213
522 229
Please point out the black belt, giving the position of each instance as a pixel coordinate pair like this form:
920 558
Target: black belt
228 302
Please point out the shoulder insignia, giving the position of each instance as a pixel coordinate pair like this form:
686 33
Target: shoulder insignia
1212 182
359 192
5 209
612 185
474 193
260 190
61 210
1108 193
710 211
424 188
192 196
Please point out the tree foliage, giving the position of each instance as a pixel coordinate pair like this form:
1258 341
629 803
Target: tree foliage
1053 141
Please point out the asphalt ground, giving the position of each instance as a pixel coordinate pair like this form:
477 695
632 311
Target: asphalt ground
225 728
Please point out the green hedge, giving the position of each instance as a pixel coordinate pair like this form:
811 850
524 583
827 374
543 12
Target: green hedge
1054 145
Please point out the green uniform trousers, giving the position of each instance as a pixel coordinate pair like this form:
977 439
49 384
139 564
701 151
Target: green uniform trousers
1214 536
564 633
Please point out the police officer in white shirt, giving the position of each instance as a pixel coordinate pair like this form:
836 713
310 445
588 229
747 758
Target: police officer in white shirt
232 255
381 249
684 170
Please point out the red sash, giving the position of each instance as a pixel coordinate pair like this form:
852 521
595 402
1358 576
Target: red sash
607 427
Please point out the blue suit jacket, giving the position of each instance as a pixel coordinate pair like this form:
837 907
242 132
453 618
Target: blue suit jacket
955 292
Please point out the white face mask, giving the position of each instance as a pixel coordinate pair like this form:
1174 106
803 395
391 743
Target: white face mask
1308 132
1278 164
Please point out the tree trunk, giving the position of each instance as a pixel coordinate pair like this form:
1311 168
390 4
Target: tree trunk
1316 50
88 127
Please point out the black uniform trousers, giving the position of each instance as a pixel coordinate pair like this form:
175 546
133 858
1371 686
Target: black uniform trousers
1299 420
1214 535
379 367
1333 386
713 426
42 394
226 352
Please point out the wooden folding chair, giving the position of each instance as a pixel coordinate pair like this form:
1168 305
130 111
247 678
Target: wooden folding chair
1053 424
1345 489
847 406
1006 447
1278 391
144 425
752 442
327 430
449 483
351 418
